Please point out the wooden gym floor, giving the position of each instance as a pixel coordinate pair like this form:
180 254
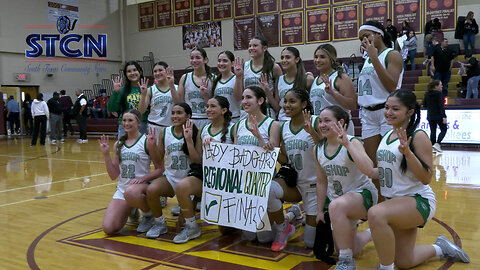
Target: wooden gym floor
53 197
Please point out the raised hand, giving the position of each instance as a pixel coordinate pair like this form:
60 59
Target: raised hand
264 82
204 88
143 86
169 75
368 46
341 131
238 67
253 125
104 144
152 137
188 130
117 84
307 122
404 146
208 140
328 84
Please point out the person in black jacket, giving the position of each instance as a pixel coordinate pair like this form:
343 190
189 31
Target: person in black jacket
473 76
56 119
441 64
80 112
392 30
434 102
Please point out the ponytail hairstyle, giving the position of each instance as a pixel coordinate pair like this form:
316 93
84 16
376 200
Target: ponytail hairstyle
231 57
331 52
259 93
303 96
124 137
227 116
387 39
208 70
300 77
188 111
128 85
433 84
339 113
268 59
409 100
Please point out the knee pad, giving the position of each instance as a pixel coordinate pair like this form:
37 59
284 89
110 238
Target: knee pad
309 235
274 197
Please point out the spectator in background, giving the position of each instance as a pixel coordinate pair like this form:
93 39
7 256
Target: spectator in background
67 105
13 115
441 64
411 45
432 26
40 115
405 28
100 105
27 114
80 112
392 30
470 29
434 102
473 76
56 124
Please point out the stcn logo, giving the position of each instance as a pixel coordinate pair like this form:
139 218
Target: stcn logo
64 25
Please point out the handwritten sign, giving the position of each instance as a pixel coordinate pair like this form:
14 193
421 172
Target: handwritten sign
236 184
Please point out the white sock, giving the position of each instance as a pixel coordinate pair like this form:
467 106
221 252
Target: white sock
160 219
387 267
190 221
438 250
290 216
147 214
345 253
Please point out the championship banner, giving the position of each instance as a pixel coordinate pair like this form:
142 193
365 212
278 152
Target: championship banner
202 11
164 13
407 10
292 28
266 6
376 10
317 23
182 12
345 22
243 31
316 3
236 185
267 26
146 16
286 5
341 2
222 9
444 10
243 8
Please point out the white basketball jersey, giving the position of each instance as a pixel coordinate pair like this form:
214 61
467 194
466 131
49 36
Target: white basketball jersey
161 105
177 163
299 146
225 89
245 136
393 183
252 77
283 86
194 98
135 162
342 173
218 136
370 89
319 98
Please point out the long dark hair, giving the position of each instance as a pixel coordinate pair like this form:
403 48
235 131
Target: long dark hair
231 57
339 113
259 93
300 77
188 110
124 137
409 100
268 59
208 70
128 85
331 52
387 39
227 116
302 95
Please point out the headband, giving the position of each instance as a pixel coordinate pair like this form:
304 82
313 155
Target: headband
371 28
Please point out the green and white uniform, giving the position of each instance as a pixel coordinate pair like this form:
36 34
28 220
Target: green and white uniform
161 105
252 77
245 136
299 147
218 136
135 163
343 175
177 163
194 98
283 86
393 183
225 89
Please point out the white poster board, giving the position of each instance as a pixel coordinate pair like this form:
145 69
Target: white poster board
236 184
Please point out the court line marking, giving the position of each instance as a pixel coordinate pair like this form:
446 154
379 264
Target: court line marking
58 194
62 159
56 182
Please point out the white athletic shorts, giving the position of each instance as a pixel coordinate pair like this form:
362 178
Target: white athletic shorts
373 123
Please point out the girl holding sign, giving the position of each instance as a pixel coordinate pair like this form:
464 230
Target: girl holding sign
294 77
299 136
131 164
257 130
332 86
193 86
179 146
219 130
343 186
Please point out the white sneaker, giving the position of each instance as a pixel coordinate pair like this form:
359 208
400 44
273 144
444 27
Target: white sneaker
157 229
62 140
437 147
188 233
53 141
79 140
451 251
84 141
175 210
